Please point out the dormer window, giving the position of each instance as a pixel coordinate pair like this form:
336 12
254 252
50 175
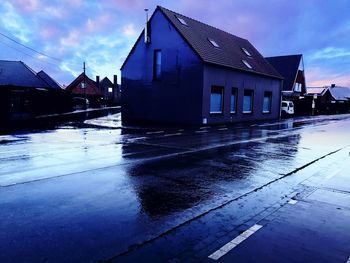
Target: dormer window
247 64
246 52
182 21
212 41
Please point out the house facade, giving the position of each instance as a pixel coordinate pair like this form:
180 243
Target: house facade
25 94
99 92
183 71
291 68
328 99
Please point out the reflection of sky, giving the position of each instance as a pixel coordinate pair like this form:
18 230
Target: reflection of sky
103 32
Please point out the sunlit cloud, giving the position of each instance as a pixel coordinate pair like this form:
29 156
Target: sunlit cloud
129 30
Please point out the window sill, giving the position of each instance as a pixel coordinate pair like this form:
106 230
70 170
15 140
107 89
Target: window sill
266 112
216 113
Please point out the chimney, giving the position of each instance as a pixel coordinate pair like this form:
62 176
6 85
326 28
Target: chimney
98 82
115 80
147 37
333 85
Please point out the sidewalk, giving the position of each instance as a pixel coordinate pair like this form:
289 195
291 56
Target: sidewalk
314 228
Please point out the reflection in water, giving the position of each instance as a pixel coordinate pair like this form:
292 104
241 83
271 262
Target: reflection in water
171 185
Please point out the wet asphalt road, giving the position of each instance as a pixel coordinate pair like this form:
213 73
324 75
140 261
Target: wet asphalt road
84 193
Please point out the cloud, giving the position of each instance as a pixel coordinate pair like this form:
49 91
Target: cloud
129 30
330 53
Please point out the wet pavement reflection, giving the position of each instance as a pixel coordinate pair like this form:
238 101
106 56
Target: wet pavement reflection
90 193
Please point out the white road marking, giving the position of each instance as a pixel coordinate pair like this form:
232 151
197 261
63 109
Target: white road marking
156 132
234 242
172 134
181 130
223 129
138 138
292 202
205 127
202 131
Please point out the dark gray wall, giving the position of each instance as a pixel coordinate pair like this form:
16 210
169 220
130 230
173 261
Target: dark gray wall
229 79
177 97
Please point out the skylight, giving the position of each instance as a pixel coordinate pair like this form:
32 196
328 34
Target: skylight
246 52
182 21
247 64
212 41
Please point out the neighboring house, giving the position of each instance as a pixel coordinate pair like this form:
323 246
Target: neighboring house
85 88
184 71
110 91
291 68
25 93
328 99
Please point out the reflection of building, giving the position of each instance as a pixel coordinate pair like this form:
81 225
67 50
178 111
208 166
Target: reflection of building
170 185
328 99
25 93
196 74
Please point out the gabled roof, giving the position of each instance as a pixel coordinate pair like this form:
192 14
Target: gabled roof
50 81
229 52
18 74
288 67
105 83
340 93
89 83
320 91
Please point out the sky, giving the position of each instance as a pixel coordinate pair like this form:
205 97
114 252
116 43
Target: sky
102 33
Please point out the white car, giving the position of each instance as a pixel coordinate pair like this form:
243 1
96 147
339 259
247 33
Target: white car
287 108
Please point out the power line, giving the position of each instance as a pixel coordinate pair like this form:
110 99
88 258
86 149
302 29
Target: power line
32 49
21 51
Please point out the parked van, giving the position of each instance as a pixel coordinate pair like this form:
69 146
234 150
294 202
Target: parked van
287 108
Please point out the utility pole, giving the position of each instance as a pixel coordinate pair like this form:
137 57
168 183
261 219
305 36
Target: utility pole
85 105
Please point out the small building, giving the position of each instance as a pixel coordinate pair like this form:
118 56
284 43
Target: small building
25 94
96 92
328 99
110 91
291 67
183 71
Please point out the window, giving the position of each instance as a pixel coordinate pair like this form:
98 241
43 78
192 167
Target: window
247 64
246 52
216 101
248 101
267 102
212 41
82 85
157 64
297 87
182 21
110 89
233 104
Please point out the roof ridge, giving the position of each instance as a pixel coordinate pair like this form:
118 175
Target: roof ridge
161 7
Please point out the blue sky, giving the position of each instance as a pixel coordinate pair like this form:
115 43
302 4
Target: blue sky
103 32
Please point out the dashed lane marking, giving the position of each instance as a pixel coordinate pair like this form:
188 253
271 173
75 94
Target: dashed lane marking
201 131
223 129
234 242
155 132
172 134
205 127
137 138
292 202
